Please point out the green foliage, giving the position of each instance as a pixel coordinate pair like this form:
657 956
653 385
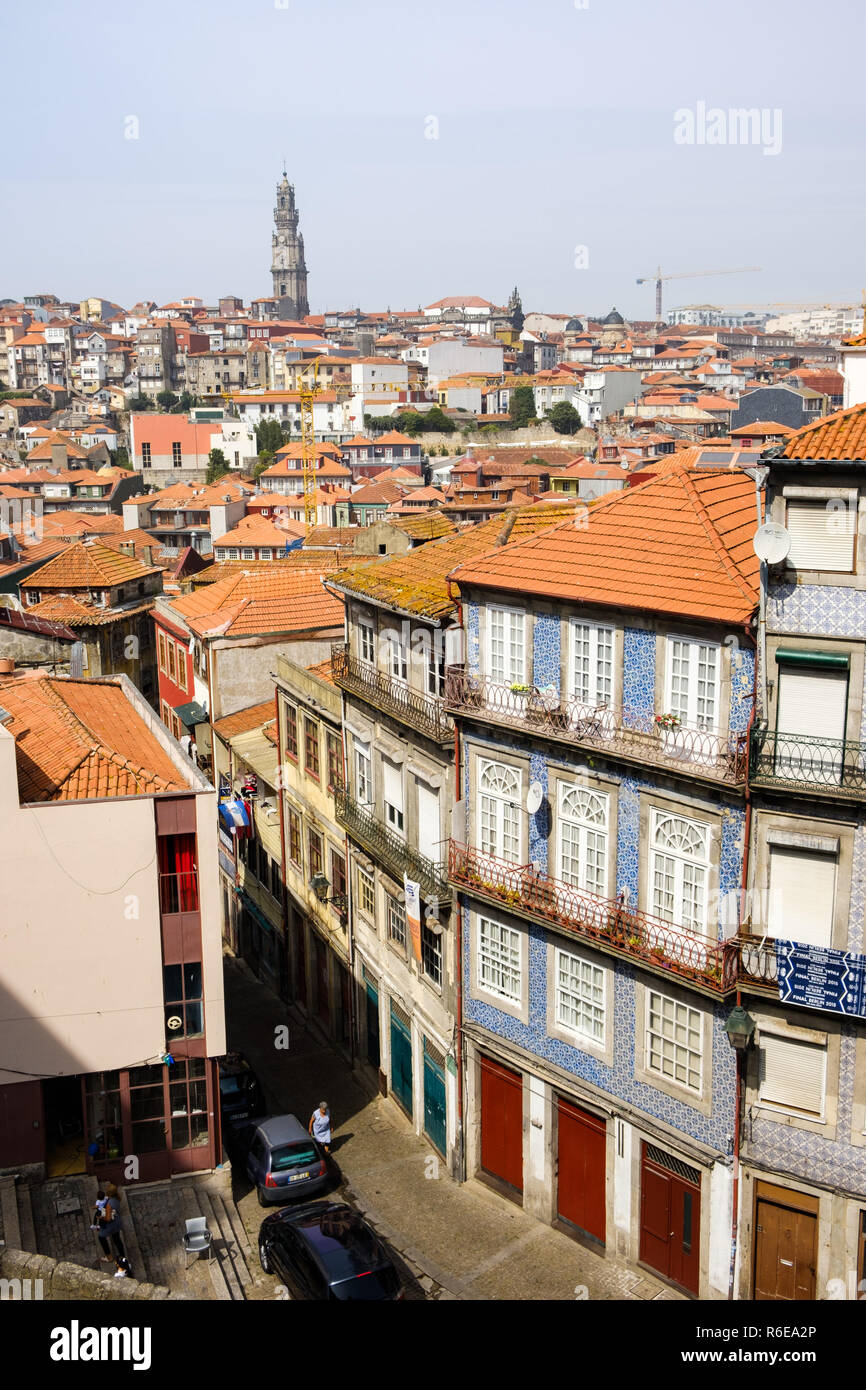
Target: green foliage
217 465
269 437
186 402
121 458
167 399
564 418
522 407
139 403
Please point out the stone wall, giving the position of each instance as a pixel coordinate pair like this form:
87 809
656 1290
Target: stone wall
61 1281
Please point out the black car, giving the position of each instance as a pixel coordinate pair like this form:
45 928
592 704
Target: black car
326 1251
241 1094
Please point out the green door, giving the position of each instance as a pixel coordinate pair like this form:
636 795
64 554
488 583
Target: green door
434 1100
401 1062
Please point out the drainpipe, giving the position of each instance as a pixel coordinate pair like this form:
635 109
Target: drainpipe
458 909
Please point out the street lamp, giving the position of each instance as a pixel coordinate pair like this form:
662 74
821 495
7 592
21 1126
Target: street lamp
740 1027
320 885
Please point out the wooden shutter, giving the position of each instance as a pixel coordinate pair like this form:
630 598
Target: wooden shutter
821 539
802 892
812 702
792 1073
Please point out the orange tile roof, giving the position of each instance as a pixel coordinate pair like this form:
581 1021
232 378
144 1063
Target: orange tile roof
838 436
88 564
75 612
678 544
273 599
324 670
77 739
257 530
243 721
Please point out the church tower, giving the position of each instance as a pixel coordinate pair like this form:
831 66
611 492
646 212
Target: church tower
288 267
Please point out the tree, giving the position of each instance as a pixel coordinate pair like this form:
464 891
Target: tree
437 420
522 407
269 437
564 418
140 403
217 465
121 458
186 402
167 399
263 462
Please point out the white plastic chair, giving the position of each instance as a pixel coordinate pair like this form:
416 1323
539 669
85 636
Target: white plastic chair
197 1238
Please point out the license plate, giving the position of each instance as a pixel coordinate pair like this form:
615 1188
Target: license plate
296 1177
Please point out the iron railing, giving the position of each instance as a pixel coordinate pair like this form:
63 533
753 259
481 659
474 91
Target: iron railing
659 945
426 713
179 892
757 964
802 762
637 736
389 849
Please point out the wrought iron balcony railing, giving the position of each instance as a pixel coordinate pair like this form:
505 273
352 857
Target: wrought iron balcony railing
659 946
799 761
389 849
640 738
426 713
757 966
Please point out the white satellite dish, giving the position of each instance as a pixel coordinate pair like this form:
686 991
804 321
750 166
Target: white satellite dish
771 542
534 797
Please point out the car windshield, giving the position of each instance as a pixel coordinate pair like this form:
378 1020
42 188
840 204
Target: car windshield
375 1285
230 1085
292 1156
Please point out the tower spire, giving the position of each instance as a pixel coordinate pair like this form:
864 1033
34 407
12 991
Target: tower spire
288 266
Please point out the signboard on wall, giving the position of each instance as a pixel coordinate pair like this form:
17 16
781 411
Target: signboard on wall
413 913
817 977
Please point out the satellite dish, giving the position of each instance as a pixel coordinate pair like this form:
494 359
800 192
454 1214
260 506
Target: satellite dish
771 542
534 797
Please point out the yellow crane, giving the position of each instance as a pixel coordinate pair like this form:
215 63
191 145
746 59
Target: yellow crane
686 275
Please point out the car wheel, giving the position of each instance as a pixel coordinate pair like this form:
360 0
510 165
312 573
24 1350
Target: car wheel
264 1259
262 1202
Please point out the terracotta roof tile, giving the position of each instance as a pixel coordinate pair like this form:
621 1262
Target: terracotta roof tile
245 720
273 599
838 436
88 564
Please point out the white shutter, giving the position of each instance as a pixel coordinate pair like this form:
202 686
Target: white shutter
392 778
812 702
792 1073
802 891
822 538
429 832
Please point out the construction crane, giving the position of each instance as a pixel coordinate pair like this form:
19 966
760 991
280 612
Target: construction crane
686 275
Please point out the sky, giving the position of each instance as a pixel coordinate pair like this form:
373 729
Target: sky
456 147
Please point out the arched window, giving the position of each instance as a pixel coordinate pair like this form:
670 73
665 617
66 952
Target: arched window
499 811
679 870
583 842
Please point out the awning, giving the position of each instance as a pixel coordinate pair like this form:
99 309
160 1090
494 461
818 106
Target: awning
191 713
797 656
233 815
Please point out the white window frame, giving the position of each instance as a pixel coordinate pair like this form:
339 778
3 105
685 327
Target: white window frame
511 670
586 831
366 642
595 688
688 708
366 885
499 830
499 954
363 774
680 864
673 1049
586 987
395 912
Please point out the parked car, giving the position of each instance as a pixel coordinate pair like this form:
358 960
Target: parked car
326 1251
284 1161
241 1095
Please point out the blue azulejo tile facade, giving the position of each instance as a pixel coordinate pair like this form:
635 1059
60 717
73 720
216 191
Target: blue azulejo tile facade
638 675
471 613
616 1080
810 610
546 644
742 688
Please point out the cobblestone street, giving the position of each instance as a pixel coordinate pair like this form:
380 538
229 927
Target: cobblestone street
457 1241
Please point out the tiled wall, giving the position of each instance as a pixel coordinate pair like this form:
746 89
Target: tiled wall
546 651
742 688
638 676
825 610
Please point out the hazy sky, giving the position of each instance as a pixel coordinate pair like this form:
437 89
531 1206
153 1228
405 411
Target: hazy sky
555 131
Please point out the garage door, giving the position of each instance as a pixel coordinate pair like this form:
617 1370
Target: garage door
670 1217
582 1165
502 1123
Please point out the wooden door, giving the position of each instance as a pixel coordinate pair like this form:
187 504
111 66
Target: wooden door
670 1217
582 1168
502 1123
785 1246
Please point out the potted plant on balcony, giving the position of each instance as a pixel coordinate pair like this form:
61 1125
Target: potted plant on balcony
667 721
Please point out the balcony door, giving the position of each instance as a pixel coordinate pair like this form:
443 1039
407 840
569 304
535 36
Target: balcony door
499 811
812 706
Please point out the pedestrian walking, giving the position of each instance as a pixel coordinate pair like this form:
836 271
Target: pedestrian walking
108 1225
320 1125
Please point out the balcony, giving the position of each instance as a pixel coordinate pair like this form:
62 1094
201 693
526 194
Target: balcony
757 967
636 738
388 849
827 766
424 713
658 946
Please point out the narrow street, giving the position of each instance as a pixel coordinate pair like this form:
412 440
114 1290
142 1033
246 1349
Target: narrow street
454 1241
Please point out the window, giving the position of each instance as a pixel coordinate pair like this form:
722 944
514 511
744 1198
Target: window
266 553
583 816
693 683
499 959
435 668
188 1101
294 822
679 866
172 663
366 643
431 954
792 1074
182 992
393 795
247 553
166 714
147 1109
338 880
176 458
291 732
673 1041
499 808
311 747
591 663
398 659
579 996
163 660
506 645
314 846
233 552
146 461
812 703
363 775
822 534
181 667
802 895
396 920
366 893
335 760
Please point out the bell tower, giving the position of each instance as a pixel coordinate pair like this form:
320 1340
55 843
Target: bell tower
288 267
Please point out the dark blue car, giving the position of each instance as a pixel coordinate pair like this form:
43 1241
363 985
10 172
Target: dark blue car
283 1161
325 1251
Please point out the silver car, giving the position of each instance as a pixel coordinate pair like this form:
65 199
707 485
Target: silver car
284 1161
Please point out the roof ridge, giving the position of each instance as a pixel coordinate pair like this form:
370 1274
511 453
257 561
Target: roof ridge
709 526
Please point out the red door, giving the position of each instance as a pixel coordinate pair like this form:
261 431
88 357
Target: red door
502 1123
582 1167
670 1217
